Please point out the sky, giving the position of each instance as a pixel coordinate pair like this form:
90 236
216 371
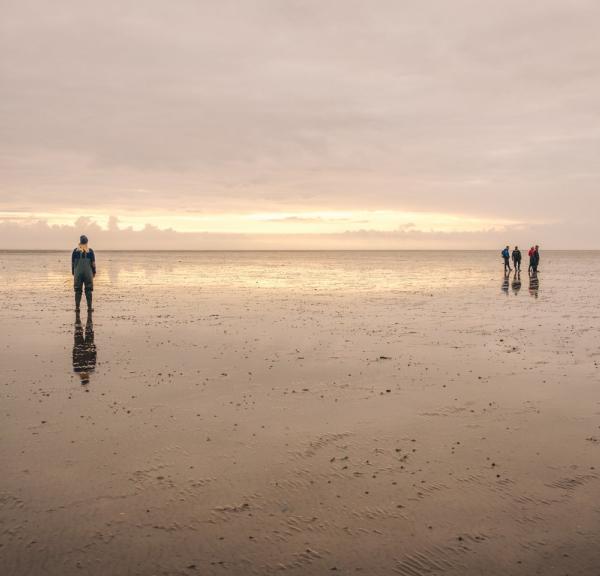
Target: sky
287 124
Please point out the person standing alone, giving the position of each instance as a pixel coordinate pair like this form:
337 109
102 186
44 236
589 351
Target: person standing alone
506 256
83 268
516 258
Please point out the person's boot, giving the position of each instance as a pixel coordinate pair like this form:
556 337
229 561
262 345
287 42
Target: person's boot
77 301
88 297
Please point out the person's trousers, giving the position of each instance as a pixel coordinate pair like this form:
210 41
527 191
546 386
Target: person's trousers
83 281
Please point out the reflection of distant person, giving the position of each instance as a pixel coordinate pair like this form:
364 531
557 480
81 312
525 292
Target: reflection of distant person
506 256
516 258
505 282
83 268
516 284
534 284
84 349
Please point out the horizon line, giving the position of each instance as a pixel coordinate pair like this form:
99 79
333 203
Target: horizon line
292 250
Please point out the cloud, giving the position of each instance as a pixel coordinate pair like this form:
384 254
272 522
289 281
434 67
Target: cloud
39 235
301 219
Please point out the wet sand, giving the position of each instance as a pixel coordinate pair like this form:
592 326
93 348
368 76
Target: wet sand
301 413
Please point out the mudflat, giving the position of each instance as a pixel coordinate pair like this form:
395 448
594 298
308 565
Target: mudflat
300 413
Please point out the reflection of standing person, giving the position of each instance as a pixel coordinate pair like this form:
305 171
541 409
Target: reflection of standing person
83 268
84 349
516 284
534 284
505 282
506 256
516 258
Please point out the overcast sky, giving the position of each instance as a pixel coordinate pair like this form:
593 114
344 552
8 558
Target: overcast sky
300 123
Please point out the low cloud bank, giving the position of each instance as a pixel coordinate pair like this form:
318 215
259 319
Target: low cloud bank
39 235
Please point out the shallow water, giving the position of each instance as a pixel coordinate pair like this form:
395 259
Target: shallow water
258 412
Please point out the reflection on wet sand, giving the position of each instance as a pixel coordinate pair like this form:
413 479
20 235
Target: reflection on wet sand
84 348
342 272
506 282
516 283
534 284
245 430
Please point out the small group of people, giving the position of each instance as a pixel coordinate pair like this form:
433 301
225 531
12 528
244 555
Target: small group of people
516 256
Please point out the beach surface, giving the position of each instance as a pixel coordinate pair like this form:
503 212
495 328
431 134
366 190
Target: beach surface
407 413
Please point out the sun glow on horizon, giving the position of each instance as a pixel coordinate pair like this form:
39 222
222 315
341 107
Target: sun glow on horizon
284 222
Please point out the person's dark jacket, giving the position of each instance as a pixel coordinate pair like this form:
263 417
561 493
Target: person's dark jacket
77 254
516 256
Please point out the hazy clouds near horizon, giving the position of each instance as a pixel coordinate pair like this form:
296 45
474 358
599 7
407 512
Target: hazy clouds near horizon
481 108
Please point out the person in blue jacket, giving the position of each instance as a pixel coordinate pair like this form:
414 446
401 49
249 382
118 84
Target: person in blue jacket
83 268
506 256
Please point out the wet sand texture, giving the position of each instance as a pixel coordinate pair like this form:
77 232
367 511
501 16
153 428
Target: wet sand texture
301 413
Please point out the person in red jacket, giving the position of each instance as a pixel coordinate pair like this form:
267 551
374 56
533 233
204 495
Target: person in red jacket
531 255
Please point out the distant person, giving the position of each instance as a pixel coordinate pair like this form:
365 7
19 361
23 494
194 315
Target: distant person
83 268
84 349
534 259
531 255
516 258
506 256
